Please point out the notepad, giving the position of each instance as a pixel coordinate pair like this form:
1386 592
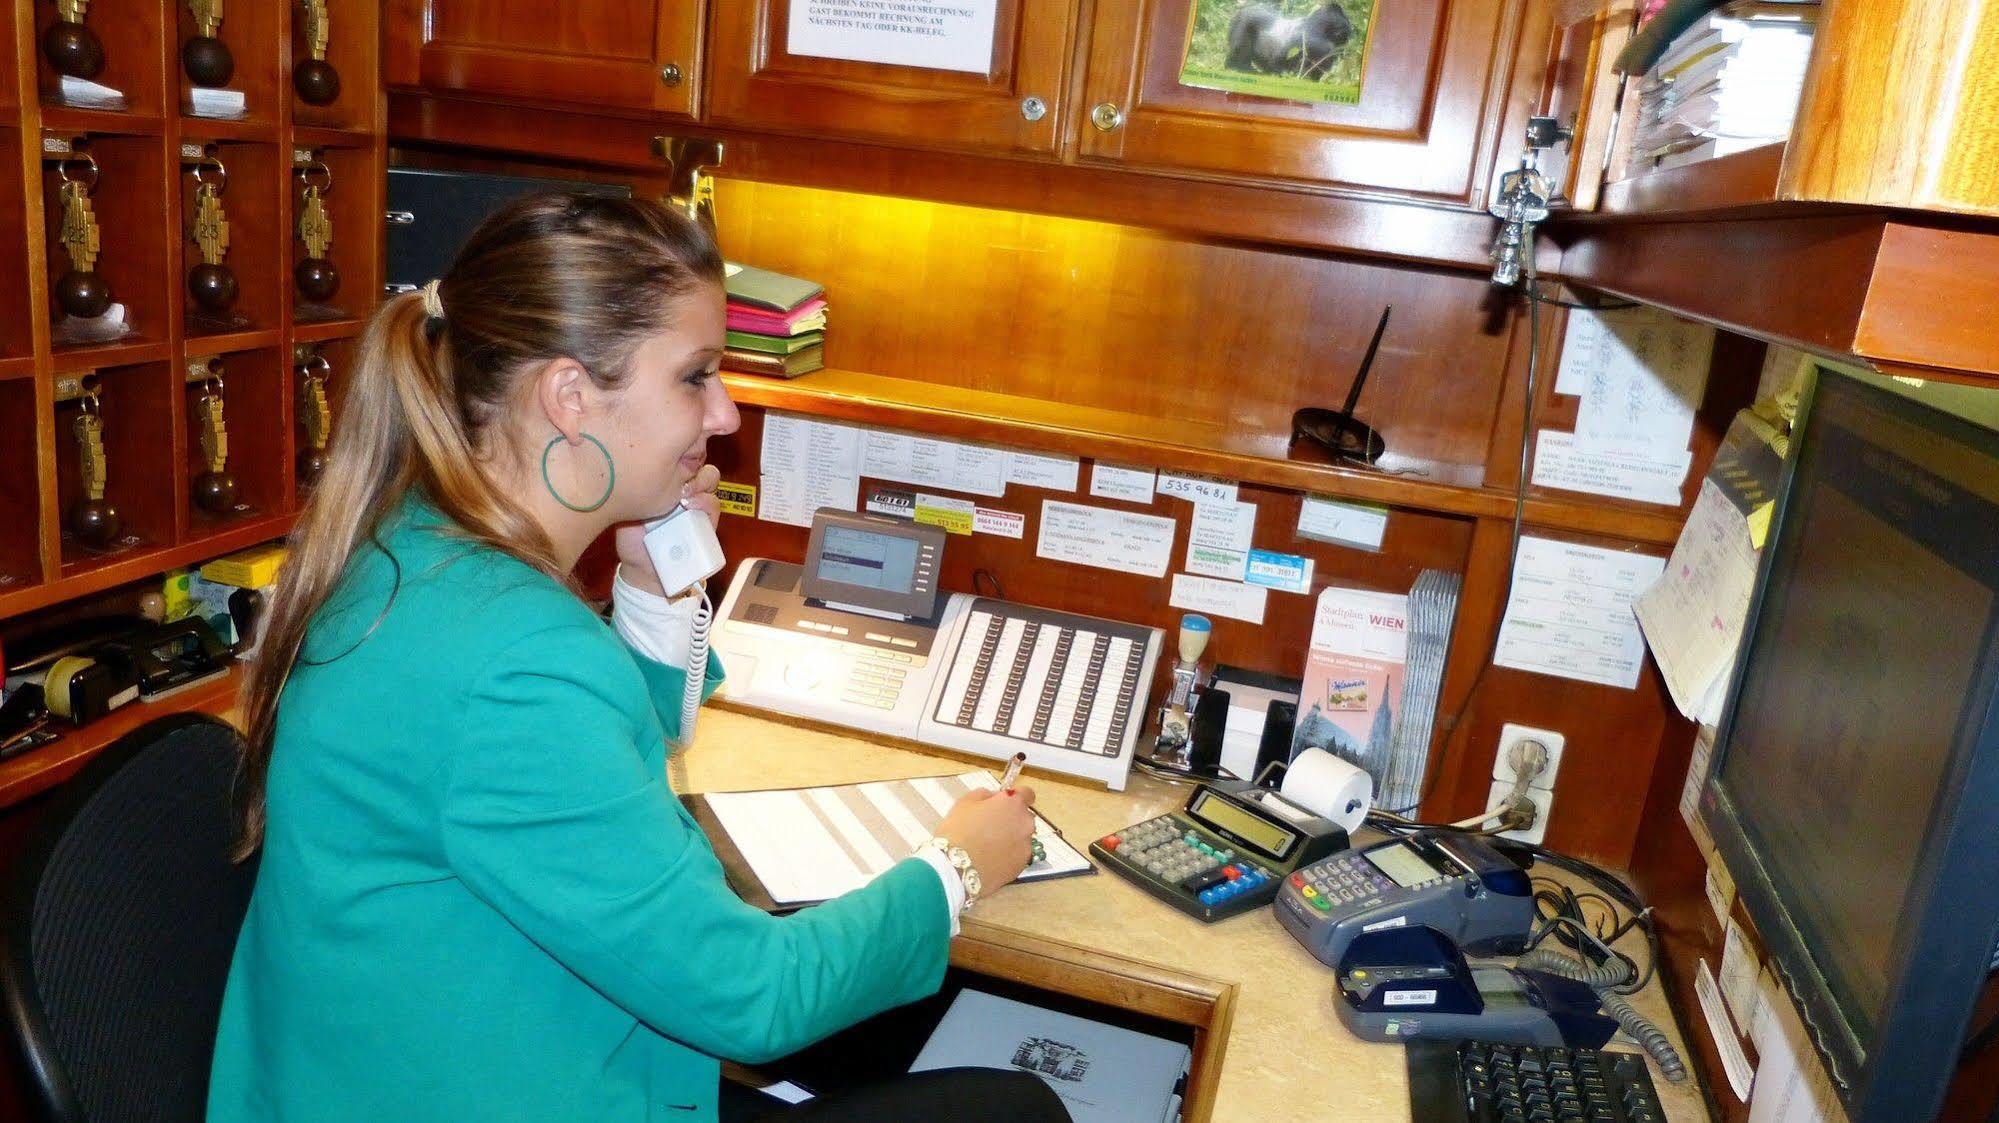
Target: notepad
807 845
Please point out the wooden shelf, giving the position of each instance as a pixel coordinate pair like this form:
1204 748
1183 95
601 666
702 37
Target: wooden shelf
1208 448
83 578
323 136
20 366
199 346
69 120
116 353
34 772
1725 184
323 330
227 128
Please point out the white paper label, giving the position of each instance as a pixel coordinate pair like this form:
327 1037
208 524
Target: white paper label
1733 1060
1006 524
1394 922
1561 460
1232 599
1360 525
1038 469
931 462
1409 998
1133 485
1569 612
1096 536
1196 489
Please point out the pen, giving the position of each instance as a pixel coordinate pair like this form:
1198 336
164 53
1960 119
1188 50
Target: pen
1012 772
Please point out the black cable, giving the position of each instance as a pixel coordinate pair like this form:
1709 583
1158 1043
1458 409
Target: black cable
988 575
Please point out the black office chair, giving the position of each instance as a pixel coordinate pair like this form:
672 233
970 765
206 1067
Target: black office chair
121 921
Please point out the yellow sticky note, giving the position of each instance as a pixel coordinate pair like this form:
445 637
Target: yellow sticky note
1759 524
737 499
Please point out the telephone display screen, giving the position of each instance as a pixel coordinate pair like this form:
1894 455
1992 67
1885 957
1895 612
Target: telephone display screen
1270 838
1402 864
872 561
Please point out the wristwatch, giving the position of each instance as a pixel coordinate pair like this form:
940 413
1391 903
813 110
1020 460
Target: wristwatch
962 862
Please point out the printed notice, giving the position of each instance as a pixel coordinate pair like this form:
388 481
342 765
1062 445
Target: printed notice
1640 373
1133 485
950 35
930 462
1621 471
1569 613
1232 599
1360 525
1038 469
1096 536
954 515
1006 524
807 465
1733 1060
737 499
1218 540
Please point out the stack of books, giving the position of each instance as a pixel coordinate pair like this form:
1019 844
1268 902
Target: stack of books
777 324
1728 84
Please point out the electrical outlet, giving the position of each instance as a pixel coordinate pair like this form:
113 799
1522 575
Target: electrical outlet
1502 790
1511 735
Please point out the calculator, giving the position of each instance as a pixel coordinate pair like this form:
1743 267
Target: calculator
1227 852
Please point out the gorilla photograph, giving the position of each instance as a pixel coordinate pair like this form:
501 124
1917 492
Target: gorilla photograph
1297 50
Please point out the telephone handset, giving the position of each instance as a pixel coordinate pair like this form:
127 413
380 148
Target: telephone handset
685 553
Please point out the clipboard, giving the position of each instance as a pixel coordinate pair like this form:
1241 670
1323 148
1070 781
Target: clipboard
1065 859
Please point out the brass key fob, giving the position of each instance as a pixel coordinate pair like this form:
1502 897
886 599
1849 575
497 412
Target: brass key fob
94 521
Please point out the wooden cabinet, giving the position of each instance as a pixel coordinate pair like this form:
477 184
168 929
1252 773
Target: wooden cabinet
1016 103
610 55
1432 81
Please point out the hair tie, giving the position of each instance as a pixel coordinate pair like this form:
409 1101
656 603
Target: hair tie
433 304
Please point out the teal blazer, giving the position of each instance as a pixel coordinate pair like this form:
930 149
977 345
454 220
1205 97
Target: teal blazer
478 898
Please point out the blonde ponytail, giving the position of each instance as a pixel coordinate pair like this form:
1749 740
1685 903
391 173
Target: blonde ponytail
550 276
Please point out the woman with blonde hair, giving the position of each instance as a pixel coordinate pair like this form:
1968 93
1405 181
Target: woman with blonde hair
477 897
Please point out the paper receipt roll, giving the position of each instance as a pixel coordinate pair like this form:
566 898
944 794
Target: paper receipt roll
1329 787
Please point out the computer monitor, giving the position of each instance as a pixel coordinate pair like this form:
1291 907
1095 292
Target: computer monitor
1854 787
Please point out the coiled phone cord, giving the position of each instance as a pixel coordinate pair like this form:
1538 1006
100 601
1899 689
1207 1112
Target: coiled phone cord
697 666
1602 978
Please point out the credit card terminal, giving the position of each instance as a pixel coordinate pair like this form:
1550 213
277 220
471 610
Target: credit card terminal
1225 853
1454 883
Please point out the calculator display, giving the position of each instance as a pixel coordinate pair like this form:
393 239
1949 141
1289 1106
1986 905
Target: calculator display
1402 864
1272 839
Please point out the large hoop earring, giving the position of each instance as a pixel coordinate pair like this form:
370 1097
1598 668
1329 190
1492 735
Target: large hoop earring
610 466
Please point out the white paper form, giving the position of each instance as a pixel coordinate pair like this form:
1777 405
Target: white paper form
1734 1061
1218 539
1739 972
1693 615
1569 612
806 465
931 34
1791 1086
1565 461
1096 536
1133 485
932 462
1640 373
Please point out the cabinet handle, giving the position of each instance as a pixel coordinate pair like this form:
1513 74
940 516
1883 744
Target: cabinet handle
1033 108
669 74
1106 117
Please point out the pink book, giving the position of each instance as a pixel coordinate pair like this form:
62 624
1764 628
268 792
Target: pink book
743 317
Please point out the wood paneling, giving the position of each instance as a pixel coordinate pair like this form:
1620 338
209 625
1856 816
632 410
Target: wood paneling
602 53
1198 207
1733 184
1899 107
755 82
1423 124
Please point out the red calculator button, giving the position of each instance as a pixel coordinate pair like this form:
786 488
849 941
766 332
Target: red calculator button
1231 872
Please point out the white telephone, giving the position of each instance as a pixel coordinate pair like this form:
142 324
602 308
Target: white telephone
685 553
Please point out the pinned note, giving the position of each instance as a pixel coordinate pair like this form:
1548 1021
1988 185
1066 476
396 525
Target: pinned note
1106 539
1569 612
1132 485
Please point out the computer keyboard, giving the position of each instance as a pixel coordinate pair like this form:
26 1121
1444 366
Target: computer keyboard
1477 1083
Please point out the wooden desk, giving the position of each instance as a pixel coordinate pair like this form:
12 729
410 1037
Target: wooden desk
1285 1056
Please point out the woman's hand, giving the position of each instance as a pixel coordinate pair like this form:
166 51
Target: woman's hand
634 564
996 831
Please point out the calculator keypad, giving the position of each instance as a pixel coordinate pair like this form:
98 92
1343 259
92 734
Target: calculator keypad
1339 882
1182 859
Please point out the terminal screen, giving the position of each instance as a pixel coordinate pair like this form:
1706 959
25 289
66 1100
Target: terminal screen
869 560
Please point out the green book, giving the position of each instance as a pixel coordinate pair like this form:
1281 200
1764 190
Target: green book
761 288
775 345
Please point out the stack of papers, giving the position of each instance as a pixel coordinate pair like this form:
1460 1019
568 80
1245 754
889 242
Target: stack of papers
777 324
1103 1073
1728 84
1433 605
